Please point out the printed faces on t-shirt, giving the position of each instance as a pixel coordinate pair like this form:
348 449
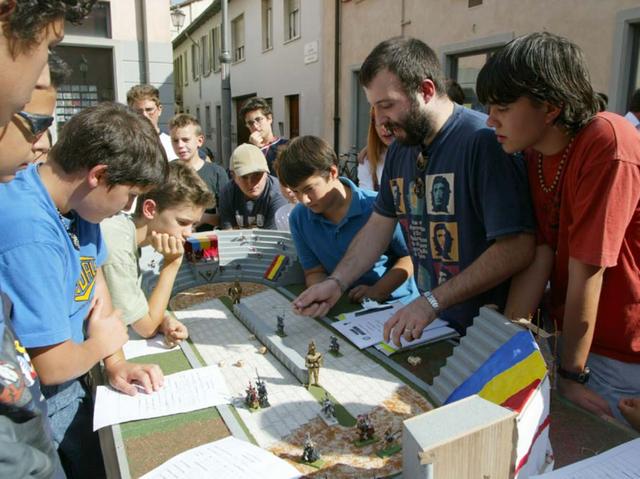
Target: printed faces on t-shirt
425 207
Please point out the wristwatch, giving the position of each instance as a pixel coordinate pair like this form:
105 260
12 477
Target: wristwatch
581 377
428 295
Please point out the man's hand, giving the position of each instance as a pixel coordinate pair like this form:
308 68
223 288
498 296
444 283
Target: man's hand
409 322
109 332
630 409
170 247
584 397
358 293
256 139
174 331
317 300
124 376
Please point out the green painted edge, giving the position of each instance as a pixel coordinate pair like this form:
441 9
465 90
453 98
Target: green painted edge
342 415
389 451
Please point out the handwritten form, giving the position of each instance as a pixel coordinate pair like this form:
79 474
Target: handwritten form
622 462
228 458
182 392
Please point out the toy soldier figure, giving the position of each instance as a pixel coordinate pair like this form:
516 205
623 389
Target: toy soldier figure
251 397
313 362
235 292
263 398
334 347
328 408
280 327
365 427
309 453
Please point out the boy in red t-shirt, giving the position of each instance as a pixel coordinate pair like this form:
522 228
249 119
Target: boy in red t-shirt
584 175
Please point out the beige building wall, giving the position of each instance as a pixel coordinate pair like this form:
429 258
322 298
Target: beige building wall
450 25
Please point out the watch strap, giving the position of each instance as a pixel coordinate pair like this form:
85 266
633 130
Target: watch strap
428 295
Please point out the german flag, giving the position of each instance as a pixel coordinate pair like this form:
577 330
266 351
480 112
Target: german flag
276 267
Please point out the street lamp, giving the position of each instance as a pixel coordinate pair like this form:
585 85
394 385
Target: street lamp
177 18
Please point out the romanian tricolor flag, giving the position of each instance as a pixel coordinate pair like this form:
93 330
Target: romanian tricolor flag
276 267
515 376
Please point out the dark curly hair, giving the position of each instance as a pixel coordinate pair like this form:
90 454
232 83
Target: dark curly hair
30 17
543 67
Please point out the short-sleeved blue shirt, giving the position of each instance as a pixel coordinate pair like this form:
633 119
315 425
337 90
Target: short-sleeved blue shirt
49 282
453 206
320 242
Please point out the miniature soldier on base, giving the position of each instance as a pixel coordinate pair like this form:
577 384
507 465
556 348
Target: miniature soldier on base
251 397
263 399
365 427
313 362
334 346
310 453
328 408
235 292
280 327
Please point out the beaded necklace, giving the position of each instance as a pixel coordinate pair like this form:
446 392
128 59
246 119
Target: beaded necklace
556 179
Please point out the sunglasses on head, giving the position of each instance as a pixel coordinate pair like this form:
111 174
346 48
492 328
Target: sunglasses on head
38 124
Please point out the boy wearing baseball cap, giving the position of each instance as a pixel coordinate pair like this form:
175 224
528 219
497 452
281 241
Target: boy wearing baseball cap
253 197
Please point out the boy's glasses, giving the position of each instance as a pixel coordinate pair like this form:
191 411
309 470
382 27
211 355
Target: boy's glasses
37 124
258 121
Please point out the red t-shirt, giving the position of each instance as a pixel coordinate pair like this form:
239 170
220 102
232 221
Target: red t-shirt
593 216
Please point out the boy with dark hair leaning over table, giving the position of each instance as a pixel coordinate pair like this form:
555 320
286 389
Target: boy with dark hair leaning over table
330 212
50 261
584 176
164 218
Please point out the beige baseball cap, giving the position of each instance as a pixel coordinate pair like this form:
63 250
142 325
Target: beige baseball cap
247 159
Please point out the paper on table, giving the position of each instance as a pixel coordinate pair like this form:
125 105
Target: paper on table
228 458
182 392
142 347
617 463
365 328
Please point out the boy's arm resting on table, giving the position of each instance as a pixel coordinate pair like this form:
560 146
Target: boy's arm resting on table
505 257
122 374
364 250
527 286
314 275
579 322
390 281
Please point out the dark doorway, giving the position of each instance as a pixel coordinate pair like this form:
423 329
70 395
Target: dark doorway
293 106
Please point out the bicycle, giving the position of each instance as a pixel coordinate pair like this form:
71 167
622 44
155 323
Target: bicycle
348 164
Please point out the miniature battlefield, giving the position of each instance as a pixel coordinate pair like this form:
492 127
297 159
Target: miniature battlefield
300 390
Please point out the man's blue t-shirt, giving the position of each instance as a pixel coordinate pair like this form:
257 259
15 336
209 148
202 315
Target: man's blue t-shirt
49 281
454 202
320 242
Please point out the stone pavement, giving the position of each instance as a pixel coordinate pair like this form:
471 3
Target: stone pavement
357 382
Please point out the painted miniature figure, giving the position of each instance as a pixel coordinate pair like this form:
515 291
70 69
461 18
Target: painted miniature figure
235 292
365 427
313 362
251 397
328 408
334 346
263 399
280 327
389 438
310 453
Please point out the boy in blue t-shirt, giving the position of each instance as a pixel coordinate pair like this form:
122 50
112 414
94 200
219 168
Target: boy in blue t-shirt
50 261
330 212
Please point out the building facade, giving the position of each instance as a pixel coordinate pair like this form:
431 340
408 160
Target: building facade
121 44
463 33
276 53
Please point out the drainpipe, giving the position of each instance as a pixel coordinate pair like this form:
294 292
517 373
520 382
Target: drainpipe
145 42
336 82
225 65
